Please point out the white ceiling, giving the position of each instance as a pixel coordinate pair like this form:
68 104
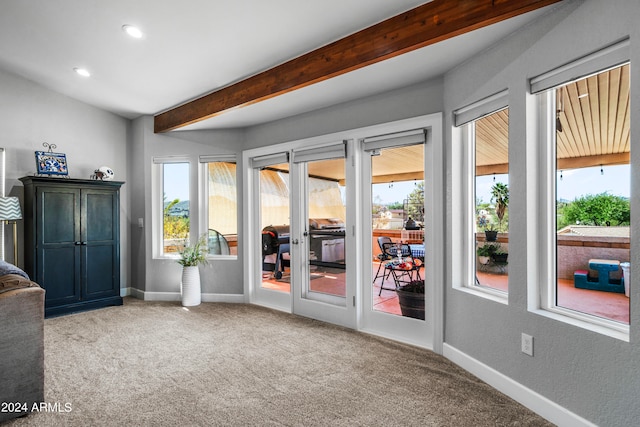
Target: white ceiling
193 47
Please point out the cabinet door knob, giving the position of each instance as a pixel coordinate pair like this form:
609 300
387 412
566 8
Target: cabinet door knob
77 243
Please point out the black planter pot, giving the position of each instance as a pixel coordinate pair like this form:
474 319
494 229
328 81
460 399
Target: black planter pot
500 258
490 236
411 304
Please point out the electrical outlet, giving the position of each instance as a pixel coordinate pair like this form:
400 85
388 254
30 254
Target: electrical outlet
527 344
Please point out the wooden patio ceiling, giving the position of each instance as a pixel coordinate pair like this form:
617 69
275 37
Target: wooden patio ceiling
595 122
422 26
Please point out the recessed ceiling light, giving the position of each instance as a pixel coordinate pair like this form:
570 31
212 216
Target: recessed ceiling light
134 32
82 71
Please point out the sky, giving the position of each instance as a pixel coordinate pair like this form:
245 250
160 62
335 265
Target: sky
575 183
176 181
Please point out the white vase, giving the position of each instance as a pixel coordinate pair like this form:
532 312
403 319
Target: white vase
190 286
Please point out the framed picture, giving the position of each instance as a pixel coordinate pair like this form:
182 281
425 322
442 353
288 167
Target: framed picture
49 163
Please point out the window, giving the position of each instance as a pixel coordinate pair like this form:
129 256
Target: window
586 163
214 214
221 218
483 199
491 206
175 207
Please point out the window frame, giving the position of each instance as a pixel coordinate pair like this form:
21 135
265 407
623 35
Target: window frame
463 184
541 188
157 197
203 195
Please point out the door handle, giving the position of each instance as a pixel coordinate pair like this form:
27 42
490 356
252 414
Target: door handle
295 241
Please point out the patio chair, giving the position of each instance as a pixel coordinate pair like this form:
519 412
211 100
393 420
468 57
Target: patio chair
403 267
382 258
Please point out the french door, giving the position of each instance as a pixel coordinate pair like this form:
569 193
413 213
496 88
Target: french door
399 214
321 269
269 226
300 216
309 235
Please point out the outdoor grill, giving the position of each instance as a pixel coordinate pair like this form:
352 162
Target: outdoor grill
326 244
275 242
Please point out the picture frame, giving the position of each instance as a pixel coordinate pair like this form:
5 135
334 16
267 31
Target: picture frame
49 163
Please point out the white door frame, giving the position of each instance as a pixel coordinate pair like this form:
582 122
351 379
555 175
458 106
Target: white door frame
427 333
359 224
336 310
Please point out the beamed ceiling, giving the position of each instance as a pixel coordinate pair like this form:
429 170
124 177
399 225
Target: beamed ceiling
425 25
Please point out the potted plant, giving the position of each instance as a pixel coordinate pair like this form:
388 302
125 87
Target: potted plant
190 258
484 222
486 251
411 299
499 256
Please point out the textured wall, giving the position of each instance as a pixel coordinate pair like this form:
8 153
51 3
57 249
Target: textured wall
90 138
591 374
164 275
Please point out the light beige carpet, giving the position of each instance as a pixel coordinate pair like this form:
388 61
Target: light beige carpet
157 364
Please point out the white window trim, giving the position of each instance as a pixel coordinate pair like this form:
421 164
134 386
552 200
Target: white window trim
542 279
463 203
203 195
157 187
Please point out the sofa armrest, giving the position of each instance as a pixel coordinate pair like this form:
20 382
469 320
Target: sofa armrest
21 343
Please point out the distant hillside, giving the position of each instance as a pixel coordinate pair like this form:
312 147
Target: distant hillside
179 209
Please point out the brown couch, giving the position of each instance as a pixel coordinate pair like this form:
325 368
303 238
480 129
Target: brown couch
21 345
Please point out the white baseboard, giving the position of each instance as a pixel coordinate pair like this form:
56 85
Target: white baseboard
544 407
175 296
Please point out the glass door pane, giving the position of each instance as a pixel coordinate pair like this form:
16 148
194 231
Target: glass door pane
275 227
325 215
397 215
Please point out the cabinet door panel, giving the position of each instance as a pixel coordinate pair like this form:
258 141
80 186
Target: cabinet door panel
59 215
58 256
101 271
99 220
59 274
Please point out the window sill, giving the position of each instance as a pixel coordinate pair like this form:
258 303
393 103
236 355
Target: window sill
486 293
601 326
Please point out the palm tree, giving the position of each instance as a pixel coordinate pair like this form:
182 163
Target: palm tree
500 196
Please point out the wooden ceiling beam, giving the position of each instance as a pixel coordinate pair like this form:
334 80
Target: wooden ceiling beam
424 25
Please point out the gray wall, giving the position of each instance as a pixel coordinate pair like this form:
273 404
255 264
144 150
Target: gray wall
588 373
164 275
90 138
404 103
